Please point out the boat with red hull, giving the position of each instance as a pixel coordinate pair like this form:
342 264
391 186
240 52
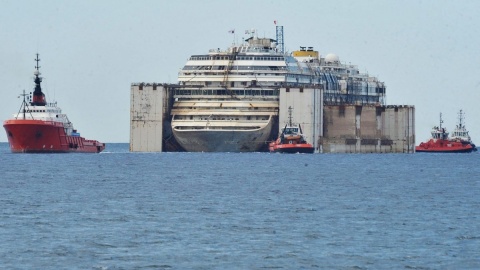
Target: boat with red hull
291 140
41 127
440 142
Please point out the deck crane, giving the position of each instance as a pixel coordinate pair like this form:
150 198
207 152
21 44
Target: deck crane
228 68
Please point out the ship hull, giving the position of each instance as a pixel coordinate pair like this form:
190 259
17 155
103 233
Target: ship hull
440 150
443 146
292 148
37 136
212 140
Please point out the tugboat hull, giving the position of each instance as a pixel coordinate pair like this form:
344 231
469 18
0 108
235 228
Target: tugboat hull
443 146
444 151
37 136
293 149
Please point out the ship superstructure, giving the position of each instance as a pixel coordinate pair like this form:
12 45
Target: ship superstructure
342 83
460 133
228 99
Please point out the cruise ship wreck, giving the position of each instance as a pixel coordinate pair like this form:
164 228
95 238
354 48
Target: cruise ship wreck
229 99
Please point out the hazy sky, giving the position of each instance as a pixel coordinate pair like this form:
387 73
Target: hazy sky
427 52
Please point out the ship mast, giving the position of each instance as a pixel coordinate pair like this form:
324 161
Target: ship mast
290 109
38 96
24 106
444 134
460 119
441 121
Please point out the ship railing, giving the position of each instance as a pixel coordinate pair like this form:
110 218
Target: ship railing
222 92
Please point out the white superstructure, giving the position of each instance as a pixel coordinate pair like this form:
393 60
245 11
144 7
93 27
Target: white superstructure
48 113
460 133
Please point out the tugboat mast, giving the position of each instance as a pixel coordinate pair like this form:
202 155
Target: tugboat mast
460 119
24 106
441 121
290 109
38 96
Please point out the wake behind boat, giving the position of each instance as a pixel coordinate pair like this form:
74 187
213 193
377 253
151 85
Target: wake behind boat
41 127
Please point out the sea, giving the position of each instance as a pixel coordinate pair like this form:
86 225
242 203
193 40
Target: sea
123 210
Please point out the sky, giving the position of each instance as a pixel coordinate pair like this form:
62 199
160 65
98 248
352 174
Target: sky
427 52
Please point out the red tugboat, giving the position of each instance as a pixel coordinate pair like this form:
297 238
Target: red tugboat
40 127
291 139
440 143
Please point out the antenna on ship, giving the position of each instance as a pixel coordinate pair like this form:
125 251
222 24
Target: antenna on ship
37 67
441 121
280 43
38 96
232 32
24 106
290 109
460 119
442 130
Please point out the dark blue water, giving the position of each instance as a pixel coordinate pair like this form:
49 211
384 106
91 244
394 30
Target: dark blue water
121 210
